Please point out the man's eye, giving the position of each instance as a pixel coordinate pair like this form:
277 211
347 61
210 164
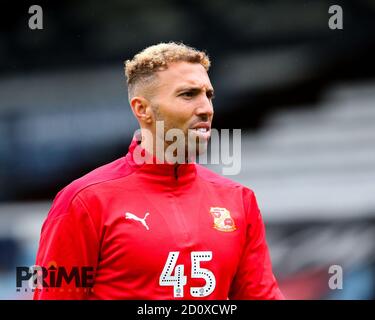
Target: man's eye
188 94
210 96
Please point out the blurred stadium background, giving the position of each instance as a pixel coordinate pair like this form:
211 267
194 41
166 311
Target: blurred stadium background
303 95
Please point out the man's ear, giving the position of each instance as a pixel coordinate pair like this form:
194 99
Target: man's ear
142 109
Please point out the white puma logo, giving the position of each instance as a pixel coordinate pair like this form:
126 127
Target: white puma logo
129 215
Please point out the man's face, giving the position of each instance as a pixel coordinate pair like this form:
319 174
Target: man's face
183 100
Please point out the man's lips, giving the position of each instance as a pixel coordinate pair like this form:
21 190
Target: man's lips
202 125
202 130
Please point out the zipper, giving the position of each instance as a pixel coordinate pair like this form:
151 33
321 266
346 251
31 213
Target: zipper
180 220
175 172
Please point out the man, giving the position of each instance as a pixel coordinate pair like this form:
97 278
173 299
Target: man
151 227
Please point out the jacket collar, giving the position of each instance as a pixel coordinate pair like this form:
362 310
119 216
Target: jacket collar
176 174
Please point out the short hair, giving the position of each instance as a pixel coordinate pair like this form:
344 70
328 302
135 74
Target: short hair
142 68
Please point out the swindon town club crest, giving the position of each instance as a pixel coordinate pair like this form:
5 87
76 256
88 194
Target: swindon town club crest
222 219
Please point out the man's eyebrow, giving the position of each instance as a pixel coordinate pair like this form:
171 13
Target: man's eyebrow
193 88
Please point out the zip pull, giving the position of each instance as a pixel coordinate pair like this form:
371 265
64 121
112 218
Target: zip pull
175 172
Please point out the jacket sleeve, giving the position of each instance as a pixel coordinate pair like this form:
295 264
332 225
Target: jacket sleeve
254 279
68 241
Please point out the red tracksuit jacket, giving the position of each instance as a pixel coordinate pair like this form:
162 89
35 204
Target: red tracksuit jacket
153 232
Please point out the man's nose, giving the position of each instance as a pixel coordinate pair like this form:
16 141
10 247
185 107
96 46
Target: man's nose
205 107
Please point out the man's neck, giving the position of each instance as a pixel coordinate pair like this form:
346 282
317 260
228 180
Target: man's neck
158 150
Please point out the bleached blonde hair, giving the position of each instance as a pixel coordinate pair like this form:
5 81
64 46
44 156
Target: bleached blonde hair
142 68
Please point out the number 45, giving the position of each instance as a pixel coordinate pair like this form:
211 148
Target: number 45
178 280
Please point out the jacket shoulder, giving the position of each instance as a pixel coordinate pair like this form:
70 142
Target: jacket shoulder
214 178
110 171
